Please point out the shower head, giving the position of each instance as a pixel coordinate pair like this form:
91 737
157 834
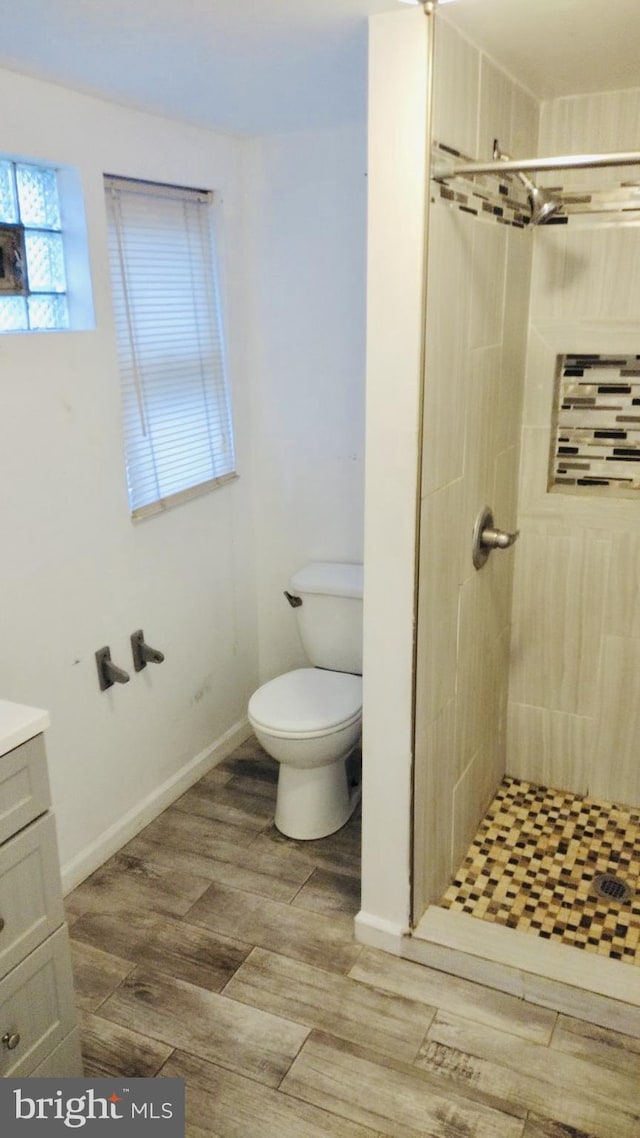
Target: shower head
544 204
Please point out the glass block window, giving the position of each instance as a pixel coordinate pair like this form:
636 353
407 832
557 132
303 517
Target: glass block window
596 440
33 283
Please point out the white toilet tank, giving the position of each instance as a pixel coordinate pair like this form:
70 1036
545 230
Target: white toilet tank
330 616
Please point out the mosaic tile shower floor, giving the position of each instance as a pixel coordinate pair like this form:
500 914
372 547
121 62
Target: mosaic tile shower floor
532 864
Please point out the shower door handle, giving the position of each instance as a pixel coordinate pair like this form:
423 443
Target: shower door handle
487 537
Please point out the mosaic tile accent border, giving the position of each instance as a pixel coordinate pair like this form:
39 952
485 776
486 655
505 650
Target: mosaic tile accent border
532 864
597 423
623 198
505 199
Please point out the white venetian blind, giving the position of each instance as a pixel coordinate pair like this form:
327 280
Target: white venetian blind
177 417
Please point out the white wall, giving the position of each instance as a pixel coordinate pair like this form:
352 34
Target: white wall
306 210
397 104
76 574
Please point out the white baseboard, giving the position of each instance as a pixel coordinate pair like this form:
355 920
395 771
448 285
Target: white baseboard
116 836
378 933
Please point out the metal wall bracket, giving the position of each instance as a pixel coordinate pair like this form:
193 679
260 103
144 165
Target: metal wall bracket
143 654
108 672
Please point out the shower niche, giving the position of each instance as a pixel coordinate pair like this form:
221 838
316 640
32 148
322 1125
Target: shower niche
596 424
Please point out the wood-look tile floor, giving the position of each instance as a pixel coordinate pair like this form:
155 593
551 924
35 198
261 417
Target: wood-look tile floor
213 949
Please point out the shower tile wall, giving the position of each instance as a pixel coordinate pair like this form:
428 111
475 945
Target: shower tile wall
585 124
476 340
574 696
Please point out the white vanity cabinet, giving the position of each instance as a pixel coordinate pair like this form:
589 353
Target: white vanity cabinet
38 1032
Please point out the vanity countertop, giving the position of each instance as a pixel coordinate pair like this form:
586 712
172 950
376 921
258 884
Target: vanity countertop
18 723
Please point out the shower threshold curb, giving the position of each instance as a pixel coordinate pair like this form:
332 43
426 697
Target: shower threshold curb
561 977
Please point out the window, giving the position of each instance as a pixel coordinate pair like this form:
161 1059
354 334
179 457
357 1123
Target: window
177 416
33 283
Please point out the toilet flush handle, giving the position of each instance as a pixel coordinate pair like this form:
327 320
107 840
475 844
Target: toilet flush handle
294 601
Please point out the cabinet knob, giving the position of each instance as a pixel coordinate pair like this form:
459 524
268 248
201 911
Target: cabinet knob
11 1039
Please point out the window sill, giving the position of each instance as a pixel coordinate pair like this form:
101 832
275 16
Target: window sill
164 504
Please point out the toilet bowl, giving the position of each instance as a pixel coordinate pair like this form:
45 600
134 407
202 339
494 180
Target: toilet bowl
310 719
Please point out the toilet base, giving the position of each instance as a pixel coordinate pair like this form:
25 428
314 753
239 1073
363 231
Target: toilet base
314 802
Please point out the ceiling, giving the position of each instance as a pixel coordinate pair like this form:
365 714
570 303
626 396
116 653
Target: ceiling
557 47
258 66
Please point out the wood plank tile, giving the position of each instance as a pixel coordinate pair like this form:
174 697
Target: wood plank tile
339 852
266 788
206 1024
187 898
251 768
185 951
325 941
390 1024
247 876
537 1127
390 1097
252 760
235 1107
188 833
330 892
109 1049
581 998
193 1130
95 974
599 1045
207 834
126 884
572 1091
463 997
224 804
217 776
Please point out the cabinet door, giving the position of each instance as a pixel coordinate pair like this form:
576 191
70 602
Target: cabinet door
24 786
63 1063
30 894
36 1007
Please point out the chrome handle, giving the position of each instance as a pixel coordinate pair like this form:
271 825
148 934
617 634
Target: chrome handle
11 1040
487 537
497 538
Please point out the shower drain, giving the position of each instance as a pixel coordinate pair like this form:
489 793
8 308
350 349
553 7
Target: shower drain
612 888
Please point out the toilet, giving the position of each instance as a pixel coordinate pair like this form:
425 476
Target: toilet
310 719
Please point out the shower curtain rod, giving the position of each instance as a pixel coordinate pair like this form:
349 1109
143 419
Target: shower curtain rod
442 170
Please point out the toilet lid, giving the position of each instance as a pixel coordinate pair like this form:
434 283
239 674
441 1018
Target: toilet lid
307 700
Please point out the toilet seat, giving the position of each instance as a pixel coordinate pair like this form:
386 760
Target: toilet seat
307 702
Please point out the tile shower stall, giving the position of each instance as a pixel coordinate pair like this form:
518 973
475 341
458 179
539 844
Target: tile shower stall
529 668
